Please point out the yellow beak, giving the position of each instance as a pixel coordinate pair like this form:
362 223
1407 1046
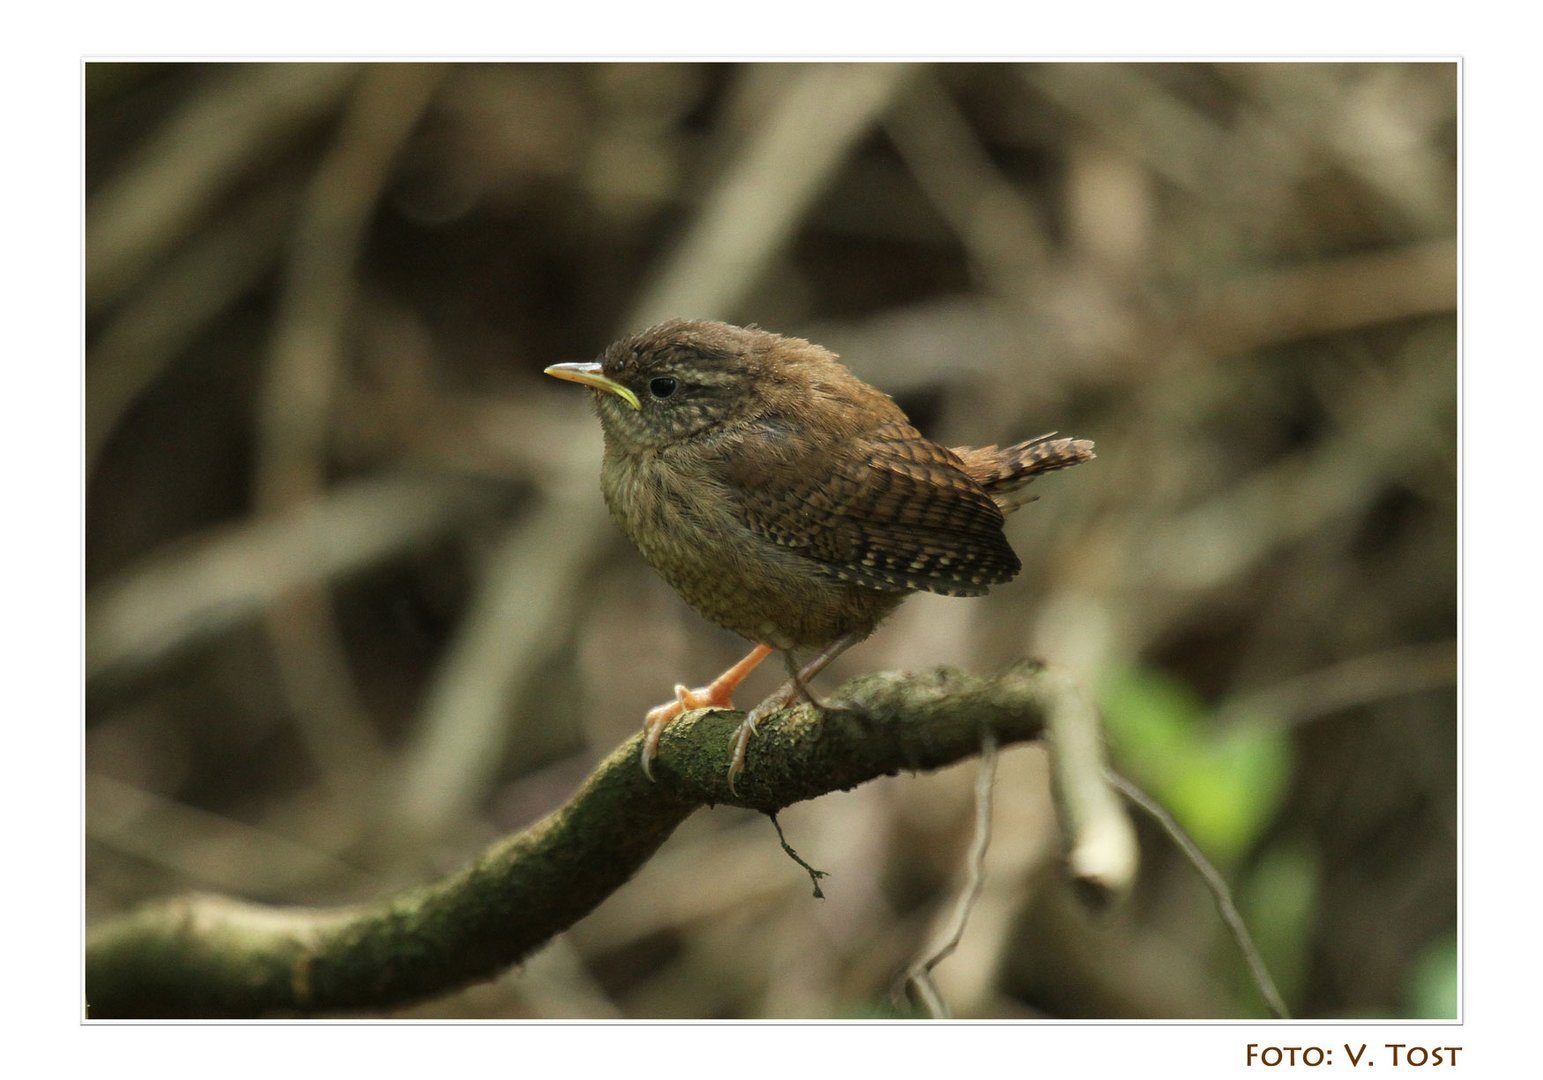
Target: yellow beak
590 375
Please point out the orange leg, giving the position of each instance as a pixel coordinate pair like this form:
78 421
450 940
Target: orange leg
717 695
796 687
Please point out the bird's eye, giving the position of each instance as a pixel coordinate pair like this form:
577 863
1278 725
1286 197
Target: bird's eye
662 387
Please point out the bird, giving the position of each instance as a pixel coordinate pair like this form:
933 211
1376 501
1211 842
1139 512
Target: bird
789 501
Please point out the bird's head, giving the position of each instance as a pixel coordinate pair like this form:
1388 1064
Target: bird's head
680 379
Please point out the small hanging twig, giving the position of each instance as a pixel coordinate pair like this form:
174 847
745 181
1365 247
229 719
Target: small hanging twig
814 875
918 977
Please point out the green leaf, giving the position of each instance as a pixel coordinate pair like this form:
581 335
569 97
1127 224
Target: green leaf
1432 990
1224 787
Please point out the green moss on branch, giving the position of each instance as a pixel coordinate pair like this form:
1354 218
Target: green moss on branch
210 956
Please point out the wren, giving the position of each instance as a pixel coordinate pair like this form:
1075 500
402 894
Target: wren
789 501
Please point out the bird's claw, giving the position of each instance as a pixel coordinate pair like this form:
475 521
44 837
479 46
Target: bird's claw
740 742
659 717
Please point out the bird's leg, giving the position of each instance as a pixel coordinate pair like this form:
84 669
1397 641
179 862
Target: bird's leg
716 695
796 686
799 681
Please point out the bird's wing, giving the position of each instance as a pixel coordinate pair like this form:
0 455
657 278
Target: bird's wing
887 509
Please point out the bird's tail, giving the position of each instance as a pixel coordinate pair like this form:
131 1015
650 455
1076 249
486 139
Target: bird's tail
1003 471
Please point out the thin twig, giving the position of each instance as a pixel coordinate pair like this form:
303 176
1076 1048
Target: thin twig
919 975
1220 892
814 875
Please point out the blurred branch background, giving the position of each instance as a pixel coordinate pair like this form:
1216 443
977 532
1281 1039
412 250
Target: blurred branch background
354 606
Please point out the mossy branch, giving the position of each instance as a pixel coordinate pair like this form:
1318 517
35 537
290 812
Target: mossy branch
211 956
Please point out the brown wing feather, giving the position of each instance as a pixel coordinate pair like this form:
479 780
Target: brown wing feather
887 509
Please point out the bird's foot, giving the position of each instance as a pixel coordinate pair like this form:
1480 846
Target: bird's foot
659 717
797 687
742 734
717 695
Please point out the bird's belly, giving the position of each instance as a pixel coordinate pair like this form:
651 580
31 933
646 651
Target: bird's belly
688 531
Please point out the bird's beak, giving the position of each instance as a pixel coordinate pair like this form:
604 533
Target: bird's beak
590 375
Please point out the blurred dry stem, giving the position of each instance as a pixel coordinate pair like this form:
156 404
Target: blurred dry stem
230 575
1409 669
813 126
318 300
1100 845
208 849
179 175
999 228
1124 105
142 341
318 296
297 401
1326 296
516 626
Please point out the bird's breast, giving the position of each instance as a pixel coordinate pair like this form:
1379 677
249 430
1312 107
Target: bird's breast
689 527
